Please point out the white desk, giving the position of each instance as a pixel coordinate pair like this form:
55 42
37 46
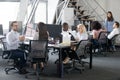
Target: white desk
28 38
1 36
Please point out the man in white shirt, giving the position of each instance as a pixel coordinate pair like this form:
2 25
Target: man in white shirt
114 32
13 38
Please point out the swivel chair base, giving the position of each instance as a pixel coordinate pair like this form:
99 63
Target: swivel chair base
9 69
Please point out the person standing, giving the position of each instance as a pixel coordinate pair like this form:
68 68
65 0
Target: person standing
109 21
41 34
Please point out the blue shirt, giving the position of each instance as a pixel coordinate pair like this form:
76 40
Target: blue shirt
109 25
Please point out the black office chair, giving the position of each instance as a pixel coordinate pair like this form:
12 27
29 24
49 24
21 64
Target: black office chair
7 55
1 29
101 44
38 54
82 49
116 42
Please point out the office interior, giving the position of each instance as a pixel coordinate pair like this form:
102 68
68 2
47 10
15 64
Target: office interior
54 13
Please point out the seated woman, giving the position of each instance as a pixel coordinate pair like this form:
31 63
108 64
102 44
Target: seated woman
81 35
96 29
40 34
114 32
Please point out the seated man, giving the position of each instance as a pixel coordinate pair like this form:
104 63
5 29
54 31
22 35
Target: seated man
13 38
114 32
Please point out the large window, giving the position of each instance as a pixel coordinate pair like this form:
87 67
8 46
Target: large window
8 12
40 14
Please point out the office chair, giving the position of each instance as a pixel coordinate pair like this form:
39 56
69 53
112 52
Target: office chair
116 42
101 44
82 48
38 54
7 55
1 29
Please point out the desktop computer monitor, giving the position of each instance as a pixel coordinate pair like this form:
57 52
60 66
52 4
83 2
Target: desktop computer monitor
54 30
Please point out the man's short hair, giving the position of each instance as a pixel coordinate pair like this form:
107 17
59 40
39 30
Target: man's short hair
13 23
117 23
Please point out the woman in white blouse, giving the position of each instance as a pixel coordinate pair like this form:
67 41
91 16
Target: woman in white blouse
82 33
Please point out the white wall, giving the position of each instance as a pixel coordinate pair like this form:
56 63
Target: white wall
108 5
68 16
52 5
113 6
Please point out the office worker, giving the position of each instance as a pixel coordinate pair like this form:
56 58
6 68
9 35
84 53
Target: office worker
66 30
96 29
109 21
13 38
41 34
82 33
114 32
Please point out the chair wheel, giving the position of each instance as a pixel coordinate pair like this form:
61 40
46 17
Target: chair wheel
6 72
5 69
26 76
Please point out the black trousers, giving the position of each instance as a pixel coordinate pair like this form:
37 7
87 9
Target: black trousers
20 56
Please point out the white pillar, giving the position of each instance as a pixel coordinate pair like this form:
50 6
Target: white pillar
22 10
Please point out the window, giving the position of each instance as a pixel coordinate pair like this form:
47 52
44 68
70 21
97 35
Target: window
8 12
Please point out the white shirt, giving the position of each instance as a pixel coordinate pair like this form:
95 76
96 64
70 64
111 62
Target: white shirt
113 33
36 36
65 33
12 39
82 36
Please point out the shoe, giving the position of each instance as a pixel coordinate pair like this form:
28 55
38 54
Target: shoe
42 68
23 71
66 60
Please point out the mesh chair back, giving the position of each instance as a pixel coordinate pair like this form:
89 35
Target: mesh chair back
4 44
38 48
81 48
1 30
102 38
116 40
6 53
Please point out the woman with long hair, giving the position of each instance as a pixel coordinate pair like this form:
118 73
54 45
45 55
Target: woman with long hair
82 33
40 34
109 21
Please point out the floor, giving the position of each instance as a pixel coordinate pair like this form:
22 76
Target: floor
104 68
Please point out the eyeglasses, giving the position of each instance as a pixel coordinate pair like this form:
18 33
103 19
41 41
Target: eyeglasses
15 25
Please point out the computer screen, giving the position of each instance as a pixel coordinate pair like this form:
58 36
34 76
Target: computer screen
54 30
